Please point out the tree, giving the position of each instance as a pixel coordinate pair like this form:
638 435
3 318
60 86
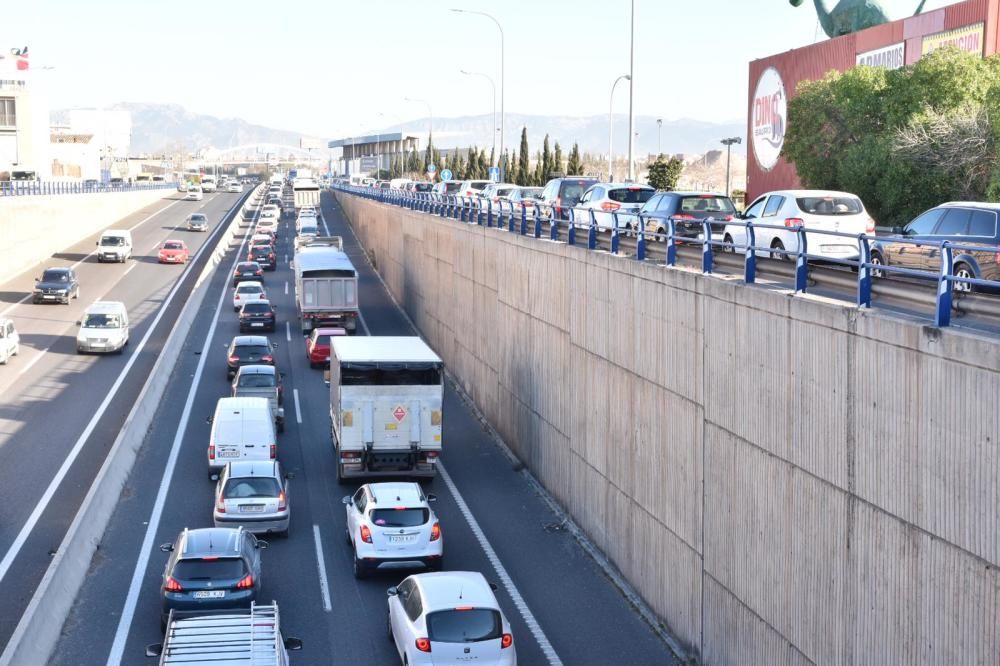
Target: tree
545 167
664 173
484 165
429 152
505 167
413 161
557 161
539 175
523 176
575 166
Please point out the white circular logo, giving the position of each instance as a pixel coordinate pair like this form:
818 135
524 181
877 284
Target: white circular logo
769 114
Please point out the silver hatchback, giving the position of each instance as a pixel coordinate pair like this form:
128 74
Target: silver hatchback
253 495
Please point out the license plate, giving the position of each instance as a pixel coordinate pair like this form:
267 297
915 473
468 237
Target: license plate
232 453
407 538
210 594
96 344
252 508
49 297
257 324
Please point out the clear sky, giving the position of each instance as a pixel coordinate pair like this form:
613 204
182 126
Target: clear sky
330 67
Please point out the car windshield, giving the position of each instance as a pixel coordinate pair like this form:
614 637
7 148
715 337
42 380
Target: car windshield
251 486
198 218
101 321
173 246
55 276
261 250
249 289
256 381
250 350
309 230
572 190
248 267
451 187
112 241
464 626
209 569
478 185
257 308
632 195
830 205
706 204
400 517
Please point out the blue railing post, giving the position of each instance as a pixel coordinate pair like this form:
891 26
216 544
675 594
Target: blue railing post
592 231
524 220
553 226
489 213
640 243
864 272
571 231
614 232
750 258
942 314
476 210
538 222
510 217
801 265
706 246
671 242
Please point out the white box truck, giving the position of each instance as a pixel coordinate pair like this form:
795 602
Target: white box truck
326 284
386 401
305 192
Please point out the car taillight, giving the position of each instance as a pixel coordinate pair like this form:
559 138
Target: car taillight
172 585
245 583
506 641
793 222
366 534
236 297
436 532
870 227
282 501
259 271
610 206
236 273
267 359
683 216
234 359
274 451
211 451
220 506
423 644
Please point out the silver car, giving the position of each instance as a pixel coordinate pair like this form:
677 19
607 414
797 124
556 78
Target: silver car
253 495
606 199
197 222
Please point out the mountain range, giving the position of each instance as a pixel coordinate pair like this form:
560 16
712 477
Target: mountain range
158 128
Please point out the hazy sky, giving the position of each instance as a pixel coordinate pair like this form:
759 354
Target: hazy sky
329 68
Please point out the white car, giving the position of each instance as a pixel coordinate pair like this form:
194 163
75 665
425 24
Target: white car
104 328
270 212
253 494
261 239
308 210
194 194
267 225
392 524
605 199
10 341
815 210
250 291
449 618
234 188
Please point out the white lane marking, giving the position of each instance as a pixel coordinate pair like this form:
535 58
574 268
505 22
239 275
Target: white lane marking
286 288
129 270
505 579
298 409
364 326
326 230
33 361
324 587
43 503
128 611
9 308
288 331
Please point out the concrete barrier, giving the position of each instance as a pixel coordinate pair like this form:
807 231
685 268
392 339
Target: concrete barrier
37 634
783 478
36 227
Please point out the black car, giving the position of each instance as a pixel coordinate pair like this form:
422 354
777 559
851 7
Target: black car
248 350
564 193
962 223
257 316
423 187
209 569
687 209
247 270
57 285
264 256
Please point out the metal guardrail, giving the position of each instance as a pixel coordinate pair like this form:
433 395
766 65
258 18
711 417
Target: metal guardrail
562 223
23 188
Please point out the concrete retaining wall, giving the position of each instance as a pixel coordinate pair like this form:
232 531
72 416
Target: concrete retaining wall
784 479
34 228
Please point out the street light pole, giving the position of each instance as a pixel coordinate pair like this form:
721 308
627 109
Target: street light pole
659 126
631 96
728 143
496 157
611 129
503 86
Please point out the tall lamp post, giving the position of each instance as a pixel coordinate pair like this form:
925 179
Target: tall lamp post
503 86
496 157
631 95
728 143
659 126
611 128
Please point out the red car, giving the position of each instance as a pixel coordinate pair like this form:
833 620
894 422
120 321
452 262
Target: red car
318 346
173 252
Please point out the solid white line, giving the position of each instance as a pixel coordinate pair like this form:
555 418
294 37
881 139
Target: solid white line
33 361
286 288
361 319
505 579
288 331
128 611
298 410
324 587
129 269
43 503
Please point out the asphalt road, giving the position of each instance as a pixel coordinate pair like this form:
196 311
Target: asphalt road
567 610
60 412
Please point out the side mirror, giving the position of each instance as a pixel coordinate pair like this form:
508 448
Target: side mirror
79 323
347 501
262 544
493 586
292 643
392 591
167 547
289 475
214 477
154 649
431 497
98 243
209 419
281 374
897 231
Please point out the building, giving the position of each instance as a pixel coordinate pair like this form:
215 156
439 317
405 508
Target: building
74 154
973 26
368 154
24 118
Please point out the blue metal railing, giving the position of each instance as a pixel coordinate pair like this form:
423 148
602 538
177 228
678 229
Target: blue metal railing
565 220
20 188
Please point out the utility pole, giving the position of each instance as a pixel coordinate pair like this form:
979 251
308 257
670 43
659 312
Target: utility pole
659 127
631 97
728 143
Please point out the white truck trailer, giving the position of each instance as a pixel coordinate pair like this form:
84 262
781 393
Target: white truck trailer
305 192
326 284
386 401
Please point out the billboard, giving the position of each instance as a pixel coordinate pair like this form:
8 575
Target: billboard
769 112
369 164
888 57
968 38
307 143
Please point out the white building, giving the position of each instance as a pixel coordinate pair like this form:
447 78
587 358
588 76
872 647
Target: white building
24 118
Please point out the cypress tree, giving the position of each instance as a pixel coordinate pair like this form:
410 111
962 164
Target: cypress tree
429 152
557 161
540 177
574 167
473 167
546 161
505 167
523 175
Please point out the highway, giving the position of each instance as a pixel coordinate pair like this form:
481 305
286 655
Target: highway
563 607
61 411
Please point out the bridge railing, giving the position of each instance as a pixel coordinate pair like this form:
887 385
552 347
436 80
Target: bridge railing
579 226
22 188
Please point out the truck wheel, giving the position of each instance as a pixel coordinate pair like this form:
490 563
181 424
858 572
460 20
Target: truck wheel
340 474
360 568
281 426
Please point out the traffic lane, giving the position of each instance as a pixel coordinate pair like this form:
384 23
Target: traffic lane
552 571
92 623
28 559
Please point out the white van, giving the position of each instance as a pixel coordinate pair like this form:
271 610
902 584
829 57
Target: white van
242 429
104 328
115 245
10 341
